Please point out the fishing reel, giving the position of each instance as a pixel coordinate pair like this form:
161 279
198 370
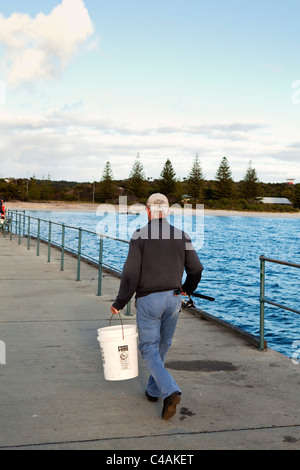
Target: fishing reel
187 304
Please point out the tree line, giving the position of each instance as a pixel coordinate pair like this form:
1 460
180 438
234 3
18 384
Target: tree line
221 193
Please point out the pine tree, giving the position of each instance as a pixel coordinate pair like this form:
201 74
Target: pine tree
195 182
107 188
136 181
224 185
167 182
46 191
33 192
250 184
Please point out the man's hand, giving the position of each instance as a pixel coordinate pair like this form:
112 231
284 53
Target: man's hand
114 311
179 292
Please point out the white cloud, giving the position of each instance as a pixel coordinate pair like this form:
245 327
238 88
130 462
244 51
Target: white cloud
40 48
72 144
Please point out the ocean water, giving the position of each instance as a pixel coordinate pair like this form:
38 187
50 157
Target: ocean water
229 249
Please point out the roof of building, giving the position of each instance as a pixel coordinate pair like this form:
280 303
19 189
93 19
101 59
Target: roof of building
276 200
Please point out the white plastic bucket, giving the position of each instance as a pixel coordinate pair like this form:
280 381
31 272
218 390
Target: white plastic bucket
118 345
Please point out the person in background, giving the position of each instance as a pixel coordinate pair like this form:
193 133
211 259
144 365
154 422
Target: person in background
2 209
158 255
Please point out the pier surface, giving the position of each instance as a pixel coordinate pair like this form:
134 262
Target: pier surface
52 389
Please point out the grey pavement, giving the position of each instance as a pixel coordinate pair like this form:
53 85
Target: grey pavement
52 389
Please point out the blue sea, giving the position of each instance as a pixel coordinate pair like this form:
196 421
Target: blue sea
229 248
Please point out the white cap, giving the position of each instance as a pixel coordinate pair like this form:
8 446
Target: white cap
158 205
158 200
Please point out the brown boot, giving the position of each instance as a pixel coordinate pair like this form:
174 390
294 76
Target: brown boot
169 408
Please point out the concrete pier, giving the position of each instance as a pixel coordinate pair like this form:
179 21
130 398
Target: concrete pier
52 389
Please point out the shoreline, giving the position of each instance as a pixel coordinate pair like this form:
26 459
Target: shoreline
86 207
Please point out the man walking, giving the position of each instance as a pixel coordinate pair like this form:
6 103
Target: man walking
158 255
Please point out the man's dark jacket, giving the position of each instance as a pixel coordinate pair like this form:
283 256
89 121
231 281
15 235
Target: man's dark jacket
158 255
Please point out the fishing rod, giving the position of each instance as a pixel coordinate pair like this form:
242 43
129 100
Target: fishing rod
206 297
190 303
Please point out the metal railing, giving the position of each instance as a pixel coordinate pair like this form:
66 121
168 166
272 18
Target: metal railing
263 300
17 224
22 225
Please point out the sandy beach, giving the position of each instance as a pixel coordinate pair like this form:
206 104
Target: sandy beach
65 206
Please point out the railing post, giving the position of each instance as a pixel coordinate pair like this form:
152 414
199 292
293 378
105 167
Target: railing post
262 304
62 260
16 223
19 228
4 224
128 309
49 243
100 267
10 228
28 239
24 223
38 238
79 253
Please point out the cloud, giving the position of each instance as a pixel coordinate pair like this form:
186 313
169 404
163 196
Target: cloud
72 117
40 48
71 143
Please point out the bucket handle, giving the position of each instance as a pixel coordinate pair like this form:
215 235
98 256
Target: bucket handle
113 315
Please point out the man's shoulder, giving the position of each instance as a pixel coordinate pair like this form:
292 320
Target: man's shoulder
138 233
164 230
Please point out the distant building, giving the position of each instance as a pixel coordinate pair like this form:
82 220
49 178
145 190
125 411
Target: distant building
276 200
186 199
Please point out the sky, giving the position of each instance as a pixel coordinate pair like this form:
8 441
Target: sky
86 82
